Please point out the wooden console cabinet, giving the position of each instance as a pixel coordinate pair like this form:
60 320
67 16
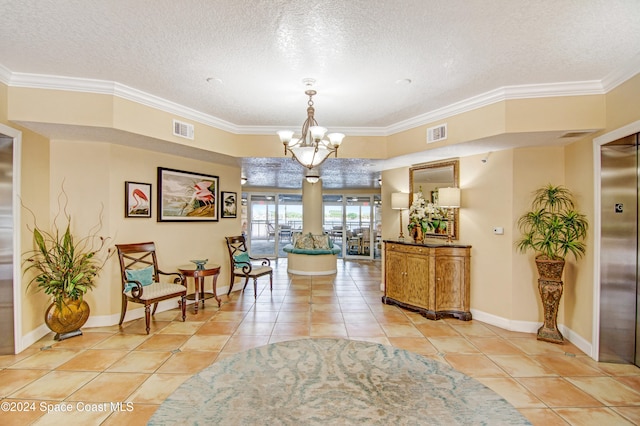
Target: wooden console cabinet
432 279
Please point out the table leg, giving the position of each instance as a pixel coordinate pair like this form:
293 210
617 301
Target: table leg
202 296
215 292
196 297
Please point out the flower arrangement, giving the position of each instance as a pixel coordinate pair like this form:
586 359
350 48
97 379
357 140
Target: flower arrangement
428 216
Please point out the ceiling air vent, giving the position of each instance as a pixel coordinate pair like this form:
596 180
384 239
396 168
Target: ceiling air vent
183 130
575 135
437 133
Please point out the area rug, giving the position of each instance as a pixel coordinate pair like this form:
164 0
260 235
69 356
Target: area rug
333 382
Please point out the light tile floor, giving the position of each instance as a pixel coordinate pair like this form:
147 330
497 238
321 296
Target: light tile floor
68 382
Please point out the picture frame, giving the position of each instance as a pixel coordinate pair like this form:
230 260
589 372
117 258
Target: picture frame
228 204
137 199
185 196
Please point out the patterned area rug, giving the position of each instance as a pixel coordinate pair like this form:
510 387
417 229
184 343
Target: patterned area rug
333 382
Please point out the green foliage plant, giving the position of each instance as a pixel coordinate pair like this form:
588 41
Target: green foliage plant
65 266
553 228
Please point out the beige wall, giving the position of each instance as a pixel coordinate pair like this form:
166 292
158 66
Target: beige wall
486 193
532 168
578 290
622 104
35 196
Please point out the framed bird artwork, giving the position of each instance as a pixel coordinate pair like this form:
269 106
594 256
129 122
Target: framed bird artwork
187 196
137 199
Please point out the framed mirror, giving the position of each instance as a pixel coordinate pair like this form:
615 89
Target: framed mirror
428 178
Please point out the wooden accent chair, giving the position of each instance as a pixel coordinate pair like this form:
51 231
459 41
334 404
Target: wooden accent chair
140 280
241 264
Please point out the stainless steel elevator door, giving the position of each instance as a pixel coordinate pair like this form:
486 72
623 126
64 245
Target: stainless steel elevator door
619 251
6 246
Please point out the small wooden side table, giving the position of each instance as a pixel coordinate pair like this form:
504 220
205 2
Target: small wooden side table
210 269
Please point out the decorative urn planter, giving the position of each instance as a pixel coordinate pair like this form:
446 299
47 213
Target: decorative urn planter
550 286
553 228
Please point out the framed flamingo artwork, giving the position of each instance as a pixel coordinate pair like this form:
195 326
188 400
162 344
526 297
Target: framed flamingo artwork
137 199
186 196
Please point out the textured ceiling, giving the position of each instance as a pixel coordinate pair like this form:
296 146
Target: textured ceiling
242 61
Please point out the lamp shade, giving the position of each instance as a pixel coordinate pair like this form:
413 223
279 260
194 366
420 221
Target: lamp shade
399 200
449 197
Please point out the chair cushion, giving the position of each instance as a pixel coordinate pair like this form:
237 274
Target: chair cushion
155 290
144 276
255 271
242 258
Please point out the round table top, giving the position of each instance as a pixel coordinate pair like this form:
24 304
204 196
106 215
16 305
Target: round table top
192 268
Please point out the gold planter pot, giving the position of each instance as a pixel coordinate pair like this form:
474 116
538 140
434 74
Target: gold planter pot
67 319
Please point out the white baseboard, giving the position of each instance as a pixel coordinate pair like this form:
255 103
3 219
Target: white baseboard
532 327
295 272
32 337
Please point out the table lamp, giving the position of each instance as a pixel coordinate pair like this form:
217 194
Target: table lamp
400 201
449 198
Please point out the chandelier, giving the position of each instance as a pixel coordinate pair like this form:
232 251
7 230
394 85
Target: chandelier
312 148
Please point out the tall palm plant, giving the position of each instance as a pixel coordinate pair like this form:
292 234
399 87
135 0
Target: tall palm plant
553 228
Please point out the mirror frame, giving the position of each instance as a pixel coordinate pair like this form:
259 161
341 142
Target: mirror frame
456 184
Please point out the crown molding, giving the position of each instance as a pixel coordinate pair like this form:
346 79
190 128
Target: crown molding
5 75
153 101
578 88
104 87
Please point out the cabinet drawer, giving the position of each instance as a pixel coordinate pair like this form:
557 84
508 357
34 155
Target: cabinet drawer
400 248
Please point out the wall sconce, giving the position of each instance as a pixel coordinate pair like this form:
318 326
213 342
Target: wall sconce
449 198
243 180
400 201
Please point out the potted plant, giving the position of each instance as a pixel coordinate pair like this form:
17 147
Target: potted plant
65 268
552 229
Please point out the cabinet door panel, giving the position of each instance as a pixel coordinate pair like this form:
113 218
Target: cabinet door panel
418 281
449 283
395 276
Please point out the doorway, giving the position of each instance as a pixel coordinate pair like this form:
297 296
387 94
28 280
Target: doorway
274 218
354 223
619 258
